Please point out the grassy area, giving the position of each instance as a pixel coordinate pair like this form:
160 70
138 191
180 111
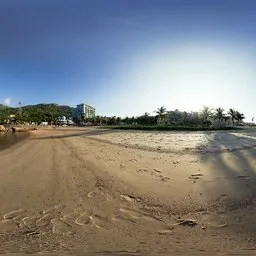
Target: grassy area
169 127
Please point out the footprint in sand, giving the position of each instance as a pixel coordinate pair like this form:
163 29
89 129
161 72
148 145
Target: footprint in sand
45 220
216 221
30 221
120 218
222 197
140 218
92 194
94 220
166 231
83 219
137 215
14 214
100 193
165 179
8 227
98 221
130 198
195 176
127 198
61 227
142 170
54 209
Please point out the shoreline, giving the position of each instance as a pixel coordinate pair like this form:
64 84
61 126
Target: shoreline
9 139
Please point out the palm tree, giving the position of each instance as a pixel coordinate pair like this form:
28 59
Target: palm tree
239 116
233 114
118 120
161 113
98 119
219 114
206 114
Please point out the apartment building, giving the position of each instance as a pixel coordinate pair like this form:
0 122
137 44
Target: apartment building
84 111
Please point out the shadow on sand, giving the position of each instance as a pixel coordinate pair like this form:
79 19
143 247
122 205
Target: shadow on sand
78 133
229 180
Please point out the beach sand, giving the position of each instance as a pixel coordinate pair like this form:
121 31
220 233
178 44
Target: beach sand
98 190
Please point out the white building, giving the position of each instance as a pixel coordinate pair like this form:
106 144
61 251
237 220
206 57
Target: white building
84 111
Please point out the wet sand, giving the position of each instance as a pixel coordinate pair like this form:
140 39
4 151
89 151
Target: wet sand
7 139
96 190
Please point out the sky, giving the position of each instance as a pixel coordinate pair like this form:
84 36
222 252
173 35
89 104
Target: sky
128 57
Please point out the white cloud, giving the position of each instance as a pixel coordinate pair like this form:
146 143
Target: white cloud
7 101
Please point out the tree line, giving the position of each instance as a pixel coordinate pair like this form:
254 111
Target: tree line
52 112
207 116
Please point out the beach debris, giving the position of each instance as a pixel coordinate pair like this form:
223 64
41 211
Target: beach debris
186 222
157 170
2 128
166 232
218 226
127 198
165 178
175 162
31 232
122 165
242 176
14 214
195 176
142 170
194 161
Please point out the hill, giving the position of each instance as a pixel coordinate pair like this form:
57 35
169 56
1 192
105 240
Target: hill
37 113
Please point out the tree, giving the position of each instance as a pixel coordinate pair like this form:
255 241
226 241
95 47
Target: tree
161 113
98 120
239 116
219 114
206 114
126 120
232 114
112 120
145 119
118 120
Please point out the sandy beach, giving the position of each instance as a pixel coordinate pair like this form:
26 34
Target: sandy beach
98 190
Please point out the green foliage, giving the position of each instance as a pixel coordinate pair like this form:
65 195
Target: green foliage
146 119
219 114
206 114
169 127
232 115
239 116
35 113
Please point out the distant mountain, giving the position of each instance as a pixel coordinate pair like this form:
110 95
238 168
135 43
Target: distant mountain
49 109
38 113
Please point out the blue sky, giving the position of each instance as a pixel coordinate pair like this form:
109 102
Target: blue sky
127 57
